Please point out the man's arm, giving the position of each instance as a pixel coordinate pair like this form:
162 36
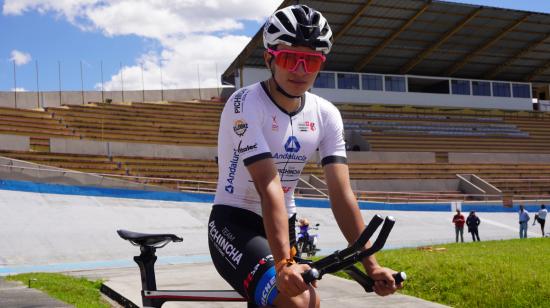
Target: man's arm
275 217
349 219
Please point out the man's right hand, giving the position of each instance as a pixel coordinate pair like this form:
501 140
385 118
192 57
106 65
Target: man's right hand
290 282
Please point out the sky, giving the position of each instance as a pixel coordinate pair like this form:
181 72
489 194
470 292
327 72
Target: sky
93 44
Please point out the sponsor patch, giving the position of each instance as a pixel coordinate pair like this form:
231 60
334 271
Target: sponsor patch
274 125
292 145
232 170
224 246
238 100
240 127
247 148
307 126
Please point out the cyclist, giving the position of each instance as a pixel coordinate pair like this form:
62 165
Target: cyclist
268 131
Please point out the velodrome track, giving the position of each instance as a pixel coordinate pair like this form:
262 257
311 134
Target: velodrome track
76 234
56 232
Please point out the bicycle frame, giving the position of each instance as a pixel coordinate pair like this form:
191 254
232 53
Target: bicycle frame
339 260
152 297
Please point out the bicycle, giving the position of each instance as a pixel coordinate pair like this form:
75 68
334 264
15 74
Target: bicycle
339 260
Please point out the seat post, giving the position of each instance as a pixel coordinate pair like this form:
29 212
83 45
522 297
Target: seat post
146 262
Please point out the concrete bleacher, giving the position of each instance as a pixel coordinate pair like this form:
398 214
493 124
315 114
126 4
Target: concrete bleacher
193 123
31 122
109 138
408 128
527 179
181 174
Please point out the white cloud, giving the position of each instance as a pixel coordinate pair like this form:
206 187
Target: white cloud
18 89
190 32
20 57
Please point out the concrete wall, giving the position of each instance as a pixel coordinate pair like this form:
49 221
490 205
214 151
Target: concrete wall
63 145
498 158
30 100
14 142
13 169
252 75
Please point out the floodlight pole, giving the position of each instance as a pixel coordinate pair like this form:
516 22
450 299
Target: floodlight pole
121 82
37 85
161 83
14 86
59 76
81 83
142 85
199 80
217 80
102 88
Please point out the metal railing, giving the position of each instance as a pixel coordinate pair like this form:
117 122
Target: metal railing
188 185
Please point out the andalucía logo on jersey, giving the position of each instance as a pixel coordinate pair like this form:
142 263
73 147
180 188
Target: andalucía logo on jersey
292 145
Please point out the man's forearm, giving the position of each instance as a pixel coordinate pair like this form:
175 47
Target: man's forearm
275 219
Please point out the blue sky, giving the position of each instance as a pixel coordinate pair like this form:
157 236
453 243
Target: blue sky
167 38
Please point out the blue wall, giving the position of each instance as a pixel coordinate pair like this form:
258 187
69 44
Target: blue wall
209 198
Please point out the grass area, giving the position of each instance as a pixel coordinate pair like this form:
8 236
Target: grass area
512 273
79 292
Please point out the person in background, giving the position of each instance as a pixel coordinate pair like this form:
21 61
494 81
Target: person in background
458 220
473 222
523 221
540 217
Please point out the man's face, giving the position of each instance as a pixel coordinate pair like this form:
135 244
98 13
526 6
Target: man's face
296 82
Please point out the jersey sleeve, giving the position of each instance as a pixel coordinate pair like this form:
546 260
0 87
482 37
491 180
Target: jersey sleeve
244 117
332 148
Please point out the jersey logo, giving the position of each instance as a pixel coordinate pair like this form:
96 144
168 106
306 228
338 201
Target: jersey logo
274 125
240 127
307 125
238 100
292 145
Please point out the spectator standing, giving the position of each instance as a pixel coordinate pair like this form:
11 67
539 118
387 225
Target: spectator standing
540 217
458 220
523 221
473 222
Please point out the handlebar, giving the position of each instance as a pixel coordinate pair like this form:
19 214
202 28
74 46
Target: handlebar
345 259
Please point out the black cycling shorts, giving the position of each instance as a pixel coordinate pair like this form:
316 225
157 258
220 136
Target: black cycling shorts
240 252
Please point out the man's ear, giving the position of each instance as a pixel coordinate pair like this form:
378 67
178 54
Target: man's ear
267 59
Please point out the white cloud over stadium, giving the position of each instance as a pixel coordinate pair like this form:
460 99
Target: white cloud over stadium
194 35
20 57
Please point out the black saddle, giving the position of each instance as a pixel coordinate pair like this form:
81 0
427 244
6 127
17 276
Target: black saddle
149 240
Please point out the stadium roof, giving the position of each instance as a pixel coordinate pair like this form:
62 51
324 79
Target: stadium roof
432 38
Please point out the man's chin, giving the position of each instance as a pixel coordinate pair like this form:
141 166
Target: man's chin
297 90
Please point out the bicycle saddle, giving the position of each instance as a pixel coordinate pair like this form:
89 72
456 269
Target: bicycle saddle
150 240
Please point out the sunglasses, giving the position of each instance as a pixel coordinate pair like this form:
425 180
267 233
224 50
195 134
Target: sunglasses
290 60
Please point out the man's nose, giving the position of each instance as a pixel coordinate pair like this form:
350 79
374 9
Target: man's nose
300 67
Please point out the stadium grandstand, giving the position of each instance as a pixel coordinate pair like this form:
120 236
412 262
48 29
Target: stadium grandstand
441 102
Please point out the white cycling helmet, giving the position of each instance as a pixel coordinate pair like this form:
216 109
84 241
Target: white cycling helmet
298 25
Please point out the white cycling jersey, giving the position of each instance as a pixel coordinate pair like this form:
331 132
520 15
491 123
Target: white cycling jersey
254 127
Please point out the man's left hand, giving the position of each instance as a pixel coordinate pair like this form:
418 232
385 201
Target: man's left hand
384 283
